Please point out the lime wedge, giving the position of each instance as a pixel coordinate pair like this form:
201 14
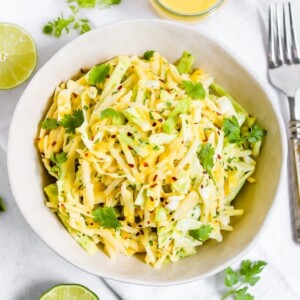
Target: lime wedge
69 292
18 55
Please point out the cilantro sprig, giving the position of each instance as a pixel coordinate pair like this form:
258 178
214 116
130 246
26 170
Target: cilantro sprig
239 281
61 24
195 90
106 217
71 122
233 132
95 3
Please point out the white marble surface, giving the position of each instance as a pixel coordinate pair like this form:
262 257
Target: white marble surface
28 267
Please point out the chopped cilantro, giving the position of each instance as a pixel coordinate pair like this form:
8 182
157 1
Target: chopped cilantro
202 233
106 217
95 3
256 134
195 90
71 122
49 123
2 206
239 281
58 160
61 24
58 25
148 54
98 74
206 157
232 130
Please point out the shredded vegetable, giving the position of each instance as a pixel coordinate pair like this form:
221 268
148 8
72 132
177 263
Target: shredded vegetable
146 157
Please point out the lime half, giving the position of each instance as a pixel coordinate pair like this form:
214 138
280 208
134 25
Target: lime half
18 55
69 292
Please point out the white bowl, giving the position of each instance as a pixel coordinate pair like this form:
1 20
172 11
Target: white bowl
135 37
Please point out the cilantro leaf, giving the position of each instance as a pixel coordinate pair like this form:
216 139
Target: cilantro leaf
85 3
49 123
194 89
251 270
148 54
242 294
98 74
202 233
57 161
231 277
232 130
256 134
206 157
71 122
106 217
2 206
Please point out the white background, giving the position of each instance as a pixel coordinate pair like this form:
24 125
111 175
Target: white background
28 267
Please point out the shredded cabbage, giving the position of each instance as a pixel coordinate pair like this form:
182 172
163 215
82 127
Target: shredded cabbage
160 159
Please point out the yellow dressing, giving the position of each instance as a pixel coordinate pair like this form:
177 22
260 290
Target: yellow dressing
188 6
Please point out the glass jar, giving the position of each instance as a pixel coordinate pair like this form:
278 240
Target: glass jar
183 10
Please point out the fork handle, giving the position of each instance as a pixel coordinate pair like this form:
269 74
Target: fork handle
294 166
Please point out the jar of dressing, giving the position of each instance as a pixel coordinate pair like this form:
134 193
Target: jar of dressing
186 10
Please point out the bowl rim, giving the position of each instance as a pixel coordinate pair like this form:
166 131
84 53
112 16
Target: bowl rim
245 66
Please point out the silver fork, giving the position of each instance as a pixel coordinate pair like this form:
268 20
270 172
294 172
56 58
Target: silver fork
284 73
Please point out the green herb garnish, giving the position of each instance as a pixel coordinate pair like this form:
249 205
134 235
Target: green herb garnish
58 160
148 54
232 130
98 74
106 217
206 157
61 24
239 281
256 134
71 122
95 3
202 233
195 90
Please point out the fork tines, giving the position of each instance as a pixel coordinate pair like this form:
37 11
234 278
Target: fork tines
283 47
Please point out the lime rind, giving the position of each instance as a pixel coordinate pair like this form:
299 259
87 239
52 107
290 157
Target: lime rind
69 292
18 56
